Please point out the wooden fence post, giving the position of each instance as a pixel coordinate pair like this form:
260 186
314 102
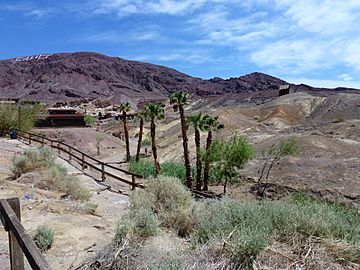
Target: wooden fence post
69 153
29 139
133 182
42 141
58 147
103 171
16 254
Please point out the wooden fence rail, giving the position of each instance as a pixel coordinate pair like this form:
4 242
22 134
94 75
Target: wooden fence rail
20 242
83 158
97 165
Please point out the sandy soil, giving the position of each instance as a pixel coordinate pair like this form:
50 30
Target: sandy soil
78 234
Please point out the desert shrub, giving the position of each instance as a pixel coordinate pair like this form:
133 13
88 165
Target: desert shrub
170 200
140 222
32 160
145 222
90 120
122 229
91 208
247 228
44 237
168 264
69 184
170 169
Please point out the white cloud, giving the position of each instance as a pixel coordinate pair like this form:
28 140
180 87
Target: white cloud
324 83
125 7
345 77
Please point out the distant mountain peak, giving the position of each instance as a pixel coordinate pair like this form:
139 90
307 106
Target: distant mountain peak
69 76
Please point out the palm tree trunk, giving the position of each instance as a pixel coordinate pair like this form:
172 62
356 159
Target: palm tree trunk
153 145
185 146
198 160
141 128
207 163
126 136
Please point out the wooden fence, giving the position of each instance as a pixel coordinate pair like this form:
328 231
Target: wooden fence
20 242
83 159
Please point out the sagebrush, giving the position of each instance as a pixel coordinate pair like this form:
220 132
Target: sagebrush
44 237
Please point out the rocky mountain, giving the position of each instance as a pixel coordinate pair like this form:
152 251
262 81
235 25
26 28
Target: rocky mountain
69 76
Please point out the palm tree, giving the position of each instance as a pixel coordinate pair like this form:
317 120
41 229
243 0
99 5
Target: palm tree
181 99
154 111
124 108
141 115
198 122
211 124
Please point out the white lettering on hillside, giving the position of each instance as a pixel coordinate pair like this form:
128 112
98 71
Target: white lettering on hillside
33 57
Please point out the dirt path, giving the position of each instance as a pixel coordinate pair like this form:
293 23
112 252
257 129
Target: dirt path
78 234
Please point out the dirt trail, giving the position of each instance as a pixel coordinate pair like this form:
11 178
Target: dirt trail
78 234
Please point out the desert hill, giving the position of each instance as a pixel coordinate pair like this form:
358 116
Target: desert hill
69 76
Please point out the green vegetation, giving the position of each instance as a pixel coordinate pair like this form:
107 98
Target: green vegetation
146 141
90 120
168 264
12 116
240 231
32 160
68 184
44 238
51 175
91 208
253 225
273 155
227 158
147 169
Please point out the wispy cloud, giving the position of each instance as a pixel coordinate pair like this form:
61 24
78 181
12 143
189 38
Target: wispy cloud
324 83
125 7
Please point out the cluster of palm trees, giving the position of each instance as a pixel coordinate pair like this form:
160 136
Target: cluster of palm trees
200 123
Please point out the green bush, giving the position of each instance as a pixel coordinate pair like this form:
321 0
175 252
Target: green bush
9 116
44 238
69 184
170 169
122 229
168 264
90 120
145 222
252 225
33 160
170 200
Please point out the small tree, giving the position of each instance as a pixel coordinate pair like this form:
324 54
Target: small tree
272 155
229 157
20 117
90 120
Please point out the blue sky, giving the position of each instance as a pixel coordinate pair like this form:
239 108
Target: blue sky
311 41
